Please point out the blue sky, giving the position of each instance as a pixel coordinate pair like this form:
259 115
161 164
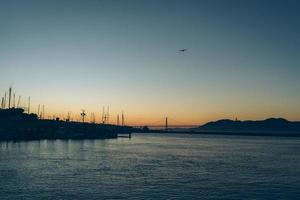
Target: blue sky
242 59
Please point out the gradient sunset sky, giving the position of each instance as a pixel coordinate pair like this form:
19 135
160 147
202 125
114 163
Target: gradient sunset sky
243 57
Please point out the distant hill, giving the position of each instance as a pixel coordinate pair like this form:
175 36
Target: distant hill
271 125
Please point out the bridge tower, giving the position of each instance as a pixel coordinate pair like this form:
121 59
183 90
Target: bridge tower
166 125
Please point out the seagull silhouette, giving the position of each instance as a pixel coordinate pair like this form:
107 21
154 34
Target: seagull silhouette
183 50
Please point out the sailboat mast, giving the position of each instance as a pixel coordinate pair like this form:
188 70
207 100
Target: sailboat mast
38 113
29 105
19 101
123 119
2 103
9 97
14 100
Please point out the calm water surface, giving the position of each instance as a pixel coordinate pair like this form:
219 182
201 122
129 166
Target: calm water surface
152 167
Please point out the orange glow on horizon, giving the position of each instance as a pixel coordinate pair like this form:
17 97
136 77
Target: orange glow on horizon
142 119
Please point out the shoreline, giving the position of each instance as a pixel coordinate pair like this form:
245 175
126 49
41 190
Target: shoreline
272 134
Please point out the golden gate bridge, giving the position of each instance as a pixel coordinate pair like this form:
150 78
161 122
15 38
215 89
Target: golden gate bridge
168 123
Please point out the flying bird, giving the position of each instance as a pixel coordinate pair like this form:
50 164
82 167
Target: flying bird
183 50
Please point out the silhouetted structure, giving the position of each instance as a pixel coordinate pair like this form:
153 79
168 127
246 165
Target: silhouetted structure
123 119
166 123
17 125
83 115
9 97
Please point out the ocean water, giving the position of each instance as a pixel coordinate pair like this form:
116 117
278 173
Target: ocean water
152 166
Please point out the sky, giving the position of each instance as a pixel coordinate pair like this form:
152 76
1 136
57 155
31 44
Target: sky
242 59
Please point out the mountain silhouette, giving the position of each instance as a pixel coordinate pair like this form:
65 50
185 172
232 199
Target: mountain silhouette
271 125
